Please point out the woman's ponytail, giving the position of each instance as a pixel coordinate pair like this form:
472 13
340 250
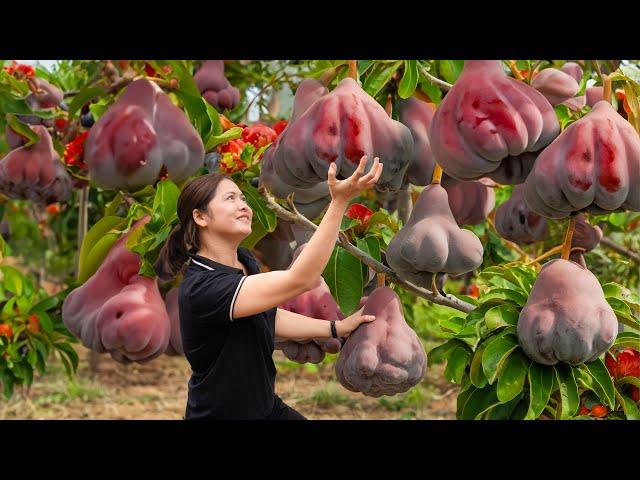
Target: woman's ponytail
172 256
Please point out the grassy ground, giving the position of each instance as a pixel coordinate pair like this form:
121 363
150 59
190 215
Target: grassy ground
157 390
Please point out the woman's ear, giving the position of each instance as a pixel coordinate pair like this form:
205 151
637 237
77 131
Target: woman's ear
199 218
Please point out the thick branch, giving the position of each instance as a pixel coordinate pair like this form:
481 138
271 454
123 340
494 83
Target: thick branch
448 301
436 81
607 242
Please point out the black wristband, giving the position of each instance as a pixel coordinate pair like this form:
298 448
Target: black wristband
334 332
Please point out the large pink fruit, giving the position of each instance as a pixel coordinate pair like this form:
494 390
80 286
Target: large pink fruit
471 202
341 127
593 166
487 117
417 115
139 134
556 85
214 86
119 311
383 357
566 318
517 223
35 173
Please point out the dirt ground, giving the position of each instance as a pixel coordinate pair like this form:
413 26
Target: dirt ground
158 389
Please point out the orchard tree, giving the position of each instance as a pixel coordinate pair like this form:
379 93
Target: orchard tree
491 168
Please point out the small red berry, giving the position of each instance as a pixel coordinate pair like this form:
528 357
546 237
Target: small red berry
599 411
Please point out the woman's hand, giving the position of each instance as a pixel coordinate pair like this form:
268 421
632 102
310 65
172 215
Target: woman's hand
353 321
345 190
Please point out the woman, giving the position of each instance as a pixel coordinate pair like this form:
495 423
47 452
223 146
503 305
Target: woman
228 309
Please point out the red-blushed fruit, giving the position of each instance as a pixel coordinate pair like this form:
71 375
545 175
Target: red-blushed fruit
593 166
142 131
486 118
599 411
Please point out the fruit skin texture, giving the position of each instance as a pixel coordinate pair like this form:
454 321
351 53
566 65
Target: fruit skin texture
35 173
417 116
487 117
47 95
315 303
514 170
139 134
309 200
341 127
383 357
594 95
585 235
573 69
471 202
119 311
566 318
432 242
556 86
214 86
517 223
593 166
175 340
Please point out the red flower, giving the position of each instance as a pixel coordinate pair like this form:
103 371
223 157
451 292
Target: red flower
26 70
627 364
231 161
259 135
10 69
6 331
359 212
74 152
599 411
279 126
473 291
61 123
53 209
149 70
34 323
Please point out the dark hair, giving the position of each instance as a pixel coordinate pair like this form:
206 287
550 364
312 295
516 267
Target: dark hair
184 237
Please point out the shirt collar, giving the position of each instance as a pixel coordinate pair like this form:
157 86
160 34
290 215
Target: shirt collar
220 266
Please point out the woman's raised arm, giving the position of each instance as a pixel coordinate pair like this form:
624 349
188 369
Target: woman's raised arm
263 291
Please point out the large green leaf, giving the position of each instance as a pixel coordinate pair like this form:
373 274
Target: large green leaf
496 354
506 411
83 97
370 245
450 69
12 281
456 364
512 377
476 373
631 410
440 353
501 316
602 382
502 294
380 76
165 203
627 339
540 385
409 80
569 395
224 137
266 216
478 402
343 274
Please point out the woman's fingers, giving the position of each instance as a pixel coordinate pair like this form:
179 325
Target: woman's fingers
331 174
371 174
360 169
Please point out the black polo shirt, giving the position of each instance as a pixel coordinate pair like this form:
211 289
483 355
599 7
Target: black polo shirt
231 359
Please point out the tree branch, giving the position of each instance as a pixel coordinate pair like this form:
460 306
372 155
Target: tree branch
607 242
448 300
436 81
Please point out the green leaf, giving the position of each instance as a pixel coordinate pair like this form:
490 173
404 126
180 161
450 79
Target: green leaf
476 373
433 91
495 355
440 353
83 97
380 76
97 110
627 339
343 274
32 357
478 402
540 385
219 139
22 129
370 245
631 410
629 381
12 280
47 304
266 216
602 382
512 377
7 384
456 364
501 316
622 293
258 232
45 322
165 202
506 411
409 79
70 353
450 69
569 395
502 294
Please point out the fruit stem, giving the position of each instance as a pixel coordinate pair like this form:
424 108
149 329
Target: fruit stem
553 251
437 174
566 246
389 106
327 76
381 279
606 95
353 69
514 70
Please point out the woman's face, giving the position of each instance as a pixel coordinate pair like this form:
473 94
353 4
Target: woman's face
228 213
